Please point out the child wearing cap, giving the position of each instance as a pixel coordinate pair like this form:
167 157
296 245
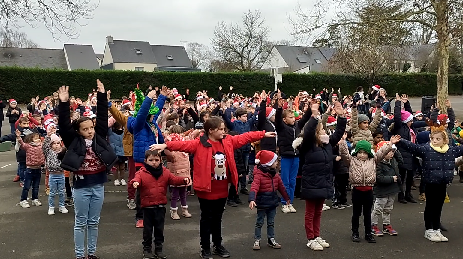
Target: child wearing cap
362 175
13 113
386 187
264 197
361 127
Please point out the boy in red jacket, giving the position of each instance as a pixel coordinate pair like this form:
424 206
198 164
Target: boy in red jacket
153 180
264 196
214 167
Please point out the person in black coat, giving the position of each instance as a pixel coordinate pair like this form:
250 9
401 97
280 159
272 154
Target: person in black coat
266 121
2 106
233 197
341 180
317 171
406 128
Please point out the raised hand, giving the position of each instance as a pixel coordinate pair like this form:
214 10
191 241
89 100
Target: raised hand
164 90
108 94
63 93
152 94
404 98
18 134
158 147
100 86
395 139
270 134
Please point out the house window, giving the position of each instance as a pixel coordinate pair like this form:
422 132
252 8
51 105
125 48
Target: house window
318 61
138 51
302 59
170 57
139 68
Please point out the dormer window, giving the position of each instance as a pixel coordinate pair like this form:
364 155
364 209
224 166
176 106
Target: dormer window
138 51
170 57
318 61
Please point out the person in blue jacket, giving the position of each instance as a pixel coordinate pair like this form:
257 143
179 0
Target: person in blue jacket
145 132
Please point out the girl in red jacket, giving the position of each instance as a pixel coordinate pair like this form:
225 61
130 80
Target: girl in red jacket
264 196
153 180
213 168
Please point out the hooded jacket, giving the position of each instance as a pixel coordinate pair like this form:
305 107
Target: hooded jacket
143 135
264 189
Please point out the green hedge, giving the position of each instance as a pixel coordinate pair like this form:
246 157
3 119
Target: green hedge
22 84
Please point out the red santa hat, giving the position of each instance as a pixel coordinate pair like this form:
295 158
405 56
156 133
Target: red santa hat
266 158
12 101
202 105
418 113
89 114
331 121
236 103
48 121
334 95
318 96
174 91
442 119
382 112
376 87
178 97
125 102
269 112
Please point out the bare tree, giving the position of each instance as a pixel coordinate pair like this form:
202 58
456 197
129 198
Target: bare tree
243 47
16 39
60 17
200 55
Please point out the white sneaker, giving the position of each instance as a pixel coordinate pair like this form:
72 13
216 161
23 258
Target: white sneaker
117 183
432 236
24 204
291 208
314 245
123 182
36 203
442 237
51 211
285 209
322 242
325 207
63 210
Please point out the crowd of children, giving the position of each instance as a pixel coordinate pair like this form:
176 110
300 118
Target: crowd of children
312 146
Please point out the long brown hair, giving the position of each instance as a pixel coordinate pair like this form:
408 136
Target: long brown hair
318 141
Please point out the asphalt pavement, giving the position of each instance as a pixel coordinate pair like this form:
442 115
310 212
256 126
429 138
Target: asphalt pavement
31 233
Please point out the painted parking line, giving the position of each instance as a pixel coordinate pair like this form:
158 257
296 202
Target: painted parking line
5 166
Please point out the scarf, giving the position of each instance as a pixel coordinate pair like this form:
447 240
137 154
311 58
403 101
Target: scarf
267 169
442 150
118 131
155 172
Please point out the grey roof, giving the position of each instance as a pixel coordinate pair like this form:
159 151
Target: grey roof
124 51
33 58
299 57
81 57
171 56
328 53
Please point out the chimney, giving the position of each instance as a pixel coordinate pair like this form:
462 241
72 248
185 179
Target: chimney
109 39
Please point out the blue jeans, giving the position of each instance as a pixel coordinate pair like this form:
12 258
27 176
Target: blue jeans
12 128
88 202
289 167
21 171
56 183
32 179
261 213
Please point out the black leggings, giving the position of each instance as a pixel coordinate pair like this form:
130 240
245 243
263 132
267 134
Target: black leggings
361 201
407 178
68 187
435 197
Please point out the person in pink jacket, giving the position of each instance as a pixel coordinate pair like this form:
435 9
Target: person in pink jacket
179 165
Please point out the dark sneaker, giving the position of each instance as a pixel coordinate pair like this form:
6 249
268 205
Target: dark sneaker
409 198
273 244
370 238
159 254
92 257
148 255
387 229
356 237
232 203
221 251
244 191
401 198
206 254
238 201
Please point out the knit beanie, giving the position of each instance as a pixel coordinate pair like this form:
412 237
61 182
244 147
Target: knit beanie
55 138
364 146
422 137
269 112
406 116
362 118
266 158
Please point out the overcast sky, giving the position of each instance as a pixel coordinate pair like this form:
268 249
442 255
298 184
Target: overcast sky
169 22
